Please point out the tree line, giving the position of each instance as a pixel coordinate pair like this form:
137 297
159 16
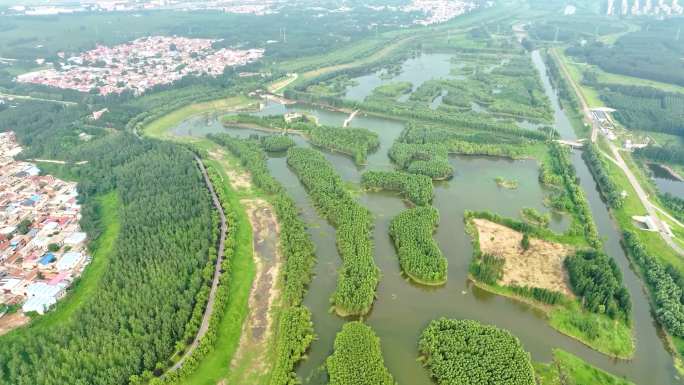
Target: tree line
670 154
570 196
358 276
431 159
355 142
645 108
608 189
626 56
674 204
222 298
665 283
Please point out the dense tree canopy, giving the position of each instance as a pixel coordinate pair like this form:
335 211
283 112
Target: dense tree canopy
598 281
645 108
414 187
357 359
355 142
634 53
143 303
419 254
424 159
464 352
666 285
666 154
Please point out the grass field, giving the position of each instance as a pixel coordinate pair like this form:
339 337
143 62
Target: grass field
632 206
575 70
566 365
159 128
102 249
614 337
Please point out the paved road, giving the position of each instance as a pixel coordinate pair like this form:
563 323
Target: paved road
24 97
620 162
643 197
583 102
277 87
217 271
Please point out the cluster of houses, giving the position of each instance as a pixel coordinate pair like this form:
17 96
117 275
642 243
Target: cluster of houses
439 11
42 247
257 7
140 64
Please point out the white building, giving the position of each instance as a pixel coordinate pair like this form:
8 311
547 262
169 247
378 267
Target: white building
41 296
69 261
75 239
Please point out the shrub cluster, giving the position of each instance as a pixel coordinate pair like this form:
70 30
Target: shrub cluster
414 187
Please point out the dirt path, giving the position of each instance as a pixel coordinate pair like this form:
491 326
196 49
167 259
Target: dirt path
278 86
239 181
539 266
12 321
250 362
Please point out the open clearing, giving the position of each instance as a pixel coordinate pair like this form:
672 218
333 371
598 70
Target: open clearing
239 180
11 321
540 266
248 366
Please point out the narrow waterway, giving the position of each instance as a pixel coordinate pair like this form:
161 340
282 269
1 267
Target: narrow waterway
402 310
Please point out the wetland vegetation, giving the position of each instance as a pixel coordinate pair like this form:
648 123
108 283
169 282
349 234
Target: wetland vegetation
401 188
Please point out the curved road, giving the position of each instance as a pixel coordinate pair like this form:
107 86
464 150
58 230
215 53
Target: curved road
217 271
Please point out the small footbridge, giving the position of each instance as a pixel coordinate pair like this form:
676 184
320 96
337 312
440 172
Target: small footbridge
571 143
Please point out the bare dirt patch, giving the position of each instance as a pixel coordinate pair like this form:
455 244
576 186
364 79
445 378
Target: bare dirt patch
250 360
539 266
239 180
12 321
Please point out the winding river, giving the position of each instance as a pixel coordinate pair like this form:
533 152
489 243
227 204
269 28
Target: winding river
402 310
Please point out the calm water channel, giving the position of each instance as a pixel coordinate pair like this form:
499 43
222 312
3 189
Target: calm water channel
665 181
402 309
